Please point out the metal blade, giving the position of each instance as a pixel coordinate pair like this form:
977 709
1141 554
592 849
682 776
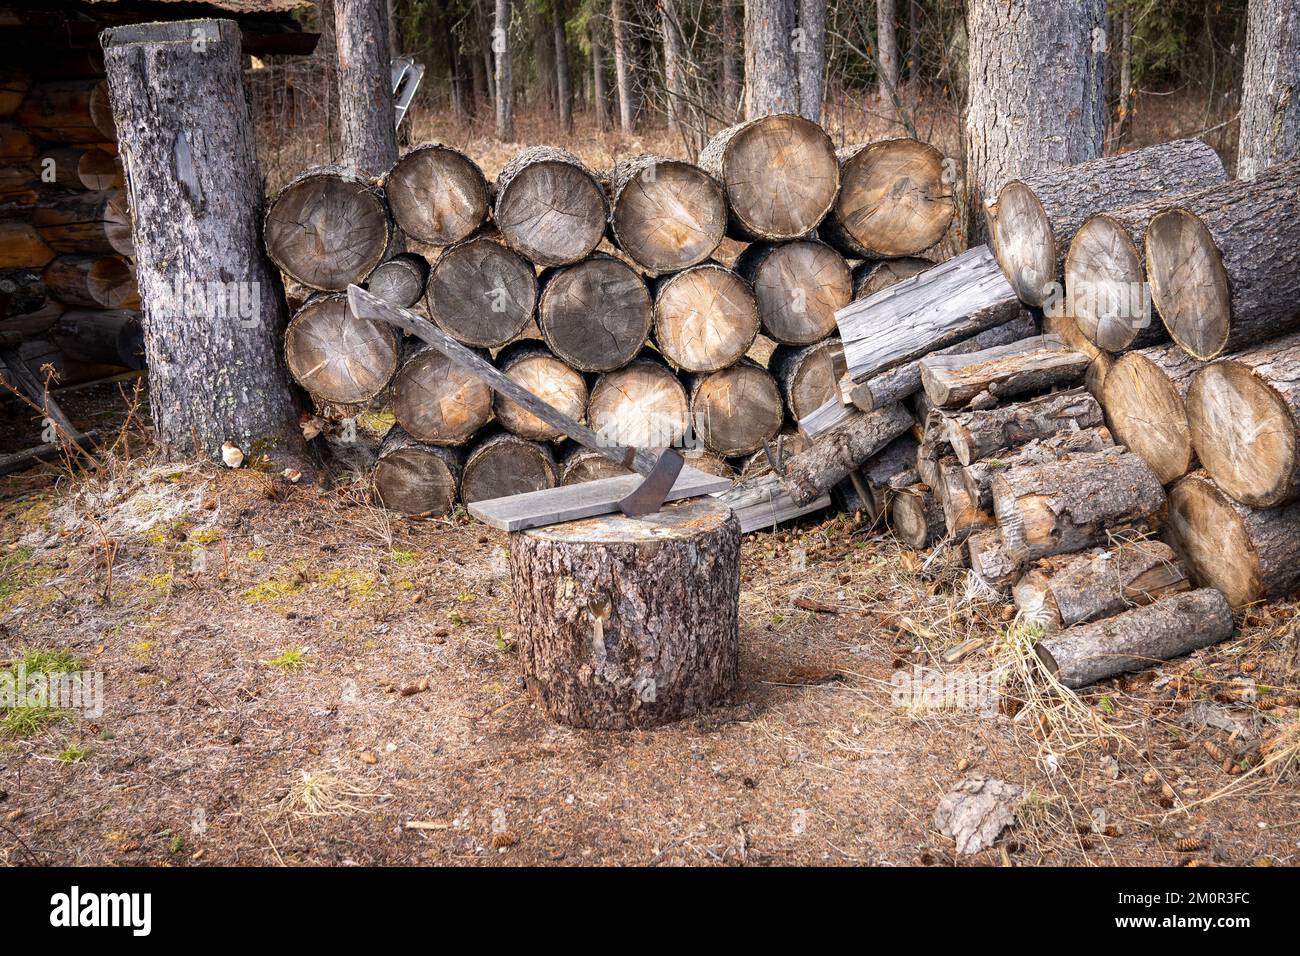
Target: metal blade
650 495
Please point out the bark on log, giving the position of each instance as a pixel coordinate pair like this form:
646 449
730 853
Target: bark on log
1066 590
216 373
549 206
327 229
93 168
809 375
875 274
101 338
895 200
1224 263
737 409
705 317
437 194
1270 87
22 291
1029 365
630 623
1250 554
1144 396
990 561
481 292
503 464
762 503
1067 328
69 111
338 357
901 381
1243 413
1074 502
916 516
982 434
595 315
962 514
400 280
788 443
666 214
780 174
437 401
1035 217
830 458
1137 639
799 286
892 468
533 366
92 282
415 478
937 308
86 223
642 405
977 477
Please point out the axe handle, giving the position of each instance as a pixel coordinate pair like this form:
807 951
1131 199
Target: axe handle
371 306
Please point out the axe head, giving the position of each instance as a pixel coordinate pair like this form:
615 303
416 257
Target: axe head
650 494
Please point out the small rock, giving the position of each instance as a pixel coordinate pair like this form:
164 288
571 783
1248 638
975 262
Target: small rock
976 811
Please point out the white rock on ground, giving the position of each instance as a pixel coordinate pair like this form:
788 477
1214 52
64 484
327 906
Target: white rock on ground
976 811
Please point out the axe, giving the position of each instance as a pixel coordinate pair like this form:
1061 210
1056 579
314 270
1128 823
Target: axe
660 471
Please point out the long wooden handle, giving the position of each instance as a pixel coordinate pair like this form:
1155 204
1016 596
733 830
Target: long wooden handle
369 306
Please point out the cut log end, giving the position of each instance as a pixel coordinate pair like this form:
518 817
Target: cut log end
416 479
1022 240
643 405
705 318
327 230
916 517
799 287
337 356
550 208
1188 282
504 464
1104 277
595 339
437 194
873 275
537 370
893 200
1145 408
668 215
737 409
439 402
481 293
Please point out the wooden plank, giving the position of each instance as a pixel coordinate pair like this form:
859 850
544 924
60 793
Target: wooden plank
538 509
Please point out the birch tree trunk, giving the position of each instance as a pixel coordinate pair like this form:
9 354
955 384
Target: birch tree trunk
505 127
1037 90
1270 88
770 80
366 116
622 77
812 58
186 139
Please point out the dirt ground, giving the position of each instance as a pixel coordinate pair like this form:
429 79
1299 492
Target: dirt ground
294 677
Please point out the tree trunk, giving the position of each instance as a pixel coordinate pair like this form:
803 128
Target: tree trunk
916 516
587 341
563 85
439 402
214 377
812 58
92 282
86 223
730 73
1145 395
400 280
327 229
808 375
622 67
69 111
599 93
1134 640
799 287
942 306
415 478
674 71
1069 504
894 200
780 174
502 464
1036 214
1066 590
1031 365
549 206
534 367
771 81
990 561
482 293
505 94
1036 96
620 624
1224 264
338 357
887 50
1270 87
642 405
834 455
366 115
437 194
705 318
667 214
1243 413
1250 554
737 409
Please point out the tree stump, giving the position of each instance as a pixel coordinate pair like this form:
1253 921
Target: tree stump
630 623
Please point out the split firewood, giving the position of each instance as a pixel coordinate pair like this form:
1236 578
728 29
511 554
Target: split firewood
883 472
990 561
1145 397
1134 640
764 502
1071 503
1030 365
916 516
1066 327
962 513
1066 590
830 458
977 477
983 434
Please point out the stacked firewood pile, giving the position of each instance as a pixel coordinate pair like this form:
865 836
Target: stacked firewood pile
1056 460
603 294
68 295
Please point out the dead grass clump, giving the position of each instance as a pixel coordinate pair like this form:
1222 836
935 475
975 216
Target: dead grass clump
322 794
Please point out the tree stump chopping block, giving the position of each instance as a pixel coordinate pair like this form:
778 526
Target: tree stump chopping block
630 623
